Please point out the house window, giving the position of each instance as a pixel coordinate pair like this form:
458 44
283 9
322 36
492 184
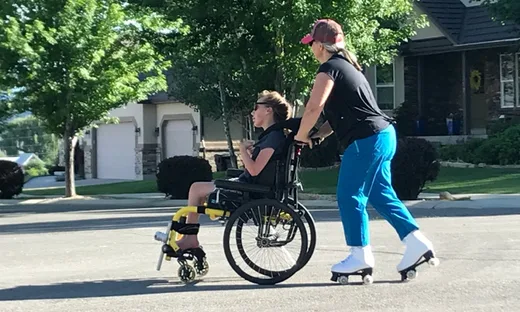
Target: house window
385 86
508 71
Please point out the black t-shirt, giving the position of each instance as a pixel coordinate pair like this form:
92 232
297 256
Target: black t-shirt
351 108
274 139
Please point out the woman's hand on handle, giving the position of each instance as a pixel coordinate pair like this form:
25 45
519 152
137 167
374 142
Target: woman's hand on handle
303 139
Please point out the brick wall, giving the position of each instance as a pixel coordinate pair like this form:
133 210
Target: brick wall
147 156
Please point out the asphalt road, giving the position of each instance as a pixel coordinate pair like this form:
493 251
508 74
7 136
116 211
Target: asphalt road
104 260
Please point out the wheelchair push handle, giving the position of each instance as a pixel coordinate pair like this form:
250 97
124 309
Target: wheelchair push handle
314 141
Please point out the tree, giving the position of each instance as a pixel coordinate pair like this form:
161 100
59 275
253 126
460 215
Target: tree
72 61
247 46
504 10
27 134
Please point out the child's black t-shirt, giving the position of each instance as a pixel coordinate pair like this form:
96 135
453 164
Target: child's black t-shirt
274 139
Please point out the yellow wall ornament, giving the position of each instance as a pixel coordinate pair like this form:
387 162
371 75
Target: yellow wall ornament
475 80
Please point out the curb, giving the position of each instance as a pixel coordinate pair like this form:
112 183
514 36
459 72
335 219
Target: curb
312 201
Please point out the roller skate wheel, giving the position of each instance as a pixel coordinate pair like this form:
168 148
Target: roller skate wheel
343 280
204 270
368 279
411 274
433 262
186 273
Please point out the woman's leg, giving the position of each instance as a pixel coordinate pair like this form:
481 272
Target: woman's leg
358 167
196 197
386 202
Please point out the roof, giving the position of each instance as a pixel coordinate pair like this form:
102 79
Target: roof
464 28
22 159
465 25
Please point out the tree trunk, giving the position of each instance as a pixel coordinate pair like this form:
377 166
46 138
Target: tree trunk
250 127
279 52
70 143
225 121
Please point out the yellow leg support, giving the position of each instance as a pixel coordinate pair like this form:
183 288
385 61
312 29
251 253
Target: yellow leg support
212 213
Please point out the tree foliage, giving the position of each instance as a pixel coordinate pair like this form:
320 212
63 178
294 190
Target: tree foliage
27 134
505 10
74 60
254 44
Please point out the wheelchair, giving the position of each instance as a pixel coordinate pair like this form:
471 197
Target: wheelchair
259 218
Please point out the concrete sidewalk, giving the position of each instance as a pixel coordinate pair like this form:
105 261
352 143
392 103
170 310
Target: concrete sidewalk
148 200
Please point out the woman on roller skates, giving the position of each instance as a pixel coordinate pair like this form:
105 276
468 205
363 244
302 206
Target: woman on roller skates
269 109
344 97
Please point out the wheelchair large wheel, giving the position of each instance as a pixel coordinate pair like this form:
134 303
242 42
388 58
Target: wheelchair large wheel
310 226
265 242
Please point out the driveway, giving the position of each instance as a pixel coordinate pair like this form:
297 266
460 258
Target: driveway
50 182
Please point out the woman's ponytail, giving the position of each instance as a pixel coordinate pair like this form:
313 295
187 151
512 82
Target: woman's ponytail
351 58
339 48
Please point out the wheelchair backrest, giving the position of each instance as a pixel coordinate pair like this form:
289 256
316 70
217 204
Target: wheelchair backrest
281 172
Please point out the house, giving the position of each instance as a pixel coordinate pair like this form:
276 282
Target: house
149 132
463 67
23 159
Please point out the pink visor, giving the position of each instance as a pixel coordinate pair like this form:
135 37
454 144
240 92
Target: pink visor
307 39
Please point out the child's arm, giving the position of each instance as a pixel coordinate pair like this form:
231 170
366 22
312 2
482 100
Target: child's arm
254 167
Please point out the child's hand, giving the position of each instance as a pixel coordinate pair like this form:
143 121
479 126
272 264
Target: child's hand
247 144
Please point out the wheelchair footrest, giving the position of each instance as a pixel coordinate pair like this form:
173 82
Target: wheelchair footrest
244 187
188 254
185 228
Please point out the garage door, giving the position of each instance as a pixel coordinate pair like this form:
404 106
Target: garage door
178 138
116 151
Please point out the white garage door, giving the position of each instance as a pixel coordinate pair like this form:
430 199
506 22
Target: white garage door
178 138
116 151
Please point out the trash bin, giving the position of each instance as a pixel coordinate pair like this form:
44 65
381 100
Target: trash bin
222 162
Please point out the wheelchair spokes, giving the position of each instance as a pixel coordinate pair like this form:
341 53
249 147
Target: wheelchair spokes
268 239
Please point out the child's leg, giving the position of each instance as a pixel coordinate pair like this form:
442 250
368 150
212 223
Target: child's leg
196 196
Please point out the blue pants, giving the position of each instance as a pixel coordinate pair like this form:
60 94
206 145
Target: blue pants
365 176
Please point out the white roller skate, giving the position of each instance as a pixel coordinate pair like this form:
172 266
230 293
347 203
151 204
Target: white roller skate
359 262
418 251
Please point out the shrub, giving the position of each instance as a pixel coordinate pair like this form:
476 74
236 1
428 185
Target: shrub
175 175
414 163
323 155
502 148
11 179
406 117
35 168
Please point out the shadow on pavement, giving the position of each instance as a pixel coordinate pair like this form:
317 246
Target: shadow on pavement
62 207
156 222
159 222
130 287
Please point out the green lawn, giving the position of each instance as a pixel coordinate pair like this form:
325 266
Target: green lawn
453 180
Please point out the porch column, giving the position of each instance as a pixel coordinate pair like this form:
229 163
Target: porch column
465 95
420 84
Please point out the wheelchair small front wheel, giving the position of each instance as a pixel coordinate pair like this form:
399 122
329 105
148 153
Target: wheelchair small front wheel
265 242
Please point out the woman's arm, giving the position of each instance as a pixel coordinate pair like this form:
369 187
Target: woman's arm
254 167
320 92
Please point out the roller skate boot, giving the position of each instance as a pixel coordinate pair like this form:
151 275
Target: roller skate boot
418 251
360 262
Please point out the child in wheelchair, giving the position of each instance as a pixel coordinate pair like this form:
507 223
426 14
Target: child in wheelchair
270 109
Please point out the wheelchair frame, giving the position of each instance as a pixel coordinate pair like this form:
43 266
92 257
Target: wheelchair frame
284 191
